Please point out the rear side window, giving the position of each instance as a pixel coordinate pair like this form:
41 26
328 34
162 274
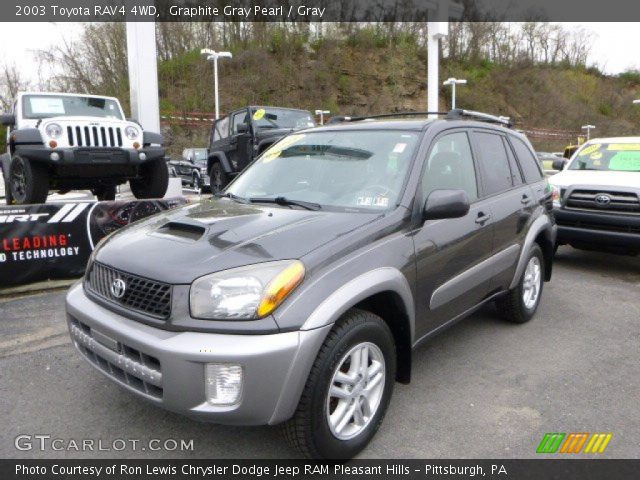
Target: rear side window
494 163
450 166
528 162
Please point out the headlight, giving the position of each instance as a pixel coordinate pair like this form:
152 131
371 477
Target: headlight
245 293
131 132
53 130
556 195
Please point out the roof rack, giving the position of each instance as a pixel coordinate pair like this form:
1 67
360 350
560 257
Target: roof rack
459 113
456 114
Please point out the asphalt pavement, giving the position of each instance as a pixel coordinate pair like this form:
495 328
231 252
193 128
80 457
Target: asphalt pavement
482 389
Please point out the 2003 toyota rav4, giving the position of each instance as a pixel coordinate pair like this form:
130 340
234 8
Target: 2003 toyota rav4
298 295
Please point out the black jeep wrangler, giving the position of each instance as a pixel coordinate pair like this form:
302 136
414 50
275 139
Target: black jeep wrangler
241 136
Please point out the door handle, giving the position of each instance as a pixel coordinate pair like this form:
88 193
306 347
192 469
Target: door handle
482 218
525 200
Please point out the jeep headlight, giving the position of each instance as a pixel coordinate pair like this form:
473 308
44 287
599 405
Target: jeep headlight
53 130
131 132
245 293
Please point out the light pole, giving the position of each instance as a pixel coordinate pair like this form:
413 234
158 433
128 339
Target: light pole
213 55
453 82
322 113
588 128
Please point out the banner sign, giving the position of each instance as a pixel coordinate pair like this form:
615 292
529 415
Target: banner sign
54 240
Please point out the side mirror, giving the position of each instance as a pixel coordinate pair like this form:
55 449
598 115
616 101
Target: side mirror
446 204
559 164
7 119
242 128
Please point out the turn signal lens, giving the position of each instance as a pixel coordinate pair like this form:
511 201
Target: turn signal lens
136 145
53 144
280 287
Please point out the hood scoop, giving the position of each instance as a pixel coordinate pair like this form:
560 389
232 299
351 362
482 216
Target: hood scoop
182 230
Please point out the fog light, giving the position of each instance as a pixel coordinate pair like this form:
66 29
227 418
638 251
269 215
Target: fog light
223 383
53 144
143 156
136 145
55 156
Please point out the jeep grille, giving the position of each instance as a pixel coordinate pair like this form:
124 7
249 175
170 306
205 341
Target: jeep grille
139 294
94 136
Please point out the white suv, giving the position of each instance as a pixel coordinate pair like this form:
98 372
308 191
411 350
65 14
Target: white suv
597 196
61 141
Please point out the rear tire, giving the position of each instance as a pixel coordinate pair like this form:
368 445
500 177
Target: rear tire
153 181
343 402
28 182
520 303
219 178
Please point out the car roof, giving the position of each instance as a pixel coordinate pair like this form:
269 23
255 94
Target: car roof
58 94
417 124
614 140
279 108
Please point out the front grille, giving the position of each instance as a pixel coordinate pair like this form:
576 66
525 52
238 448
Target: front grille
131 291
94 136
620 202
130 366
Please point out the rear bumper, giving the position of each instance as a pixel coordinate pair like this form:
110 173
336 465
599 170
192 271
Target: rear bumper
168 368
584 228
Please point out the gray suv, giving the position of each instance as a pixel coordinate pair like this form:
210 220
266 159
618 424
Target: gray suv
297 296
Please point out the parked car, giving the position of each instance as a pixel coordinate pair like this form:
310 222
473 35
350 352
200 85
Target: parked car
63 141
597 196
299 293
244 134
546 160
192 168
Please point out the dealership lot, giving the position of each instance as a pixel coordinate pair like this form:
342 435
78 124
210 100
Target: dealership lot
482 389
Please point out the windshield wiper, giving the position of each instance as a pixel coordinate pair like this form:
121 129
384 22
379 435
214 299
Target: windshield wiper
230 195
286 202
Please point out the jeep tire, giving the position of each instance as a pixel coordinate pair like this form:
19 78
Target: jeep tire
105 192
28 182
520 303
218 176
345 398
153 180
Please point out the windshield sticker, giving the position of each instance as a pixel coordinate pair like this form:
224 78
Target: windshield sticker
596 156
399 148
623 147
590 149
372 202
47 105
625 161
380 202
259 114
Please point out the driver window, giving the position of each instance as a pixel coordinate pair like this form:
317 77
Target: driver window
238 118
450 166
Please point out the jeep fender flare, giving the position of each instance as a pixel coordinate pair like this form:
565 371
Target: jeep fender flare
543 225
152 138
376 281
222 159
26 136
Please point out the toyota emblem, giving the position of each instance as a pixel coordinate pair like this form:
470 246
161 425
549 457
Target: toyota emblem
602 199
118 287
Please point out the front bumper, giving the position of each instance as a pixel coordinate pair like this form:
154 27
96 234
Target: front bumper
168 368
586 228
93 156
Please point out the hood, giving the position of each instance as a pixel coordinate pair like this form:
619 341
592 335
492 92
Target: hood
567 178
181 245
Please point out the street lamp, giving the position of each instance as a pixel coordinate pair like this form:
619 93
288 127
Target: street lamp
588 128
453 82
213 55
322 113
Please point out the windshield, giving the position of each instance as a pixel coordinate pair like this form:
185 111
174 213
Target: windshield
200 154
621 157
281 118
46 106
350 169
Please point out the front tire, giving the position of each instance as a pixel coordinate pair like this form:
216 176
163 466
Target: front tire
348 390
153 181
520 303
28 182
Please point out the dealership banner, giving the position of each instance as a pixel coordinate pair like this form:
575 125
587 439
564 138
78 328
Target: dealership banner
298 469
54 240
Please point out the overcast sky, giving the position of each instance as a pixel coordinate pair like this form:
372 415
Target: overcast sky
614 47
